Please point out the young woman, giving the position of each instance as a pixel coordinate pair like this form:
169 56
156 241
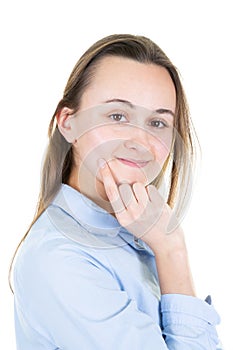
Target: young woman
104 263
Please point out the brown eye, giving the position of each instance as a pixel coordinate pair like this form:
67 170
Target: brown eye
158 124
117 117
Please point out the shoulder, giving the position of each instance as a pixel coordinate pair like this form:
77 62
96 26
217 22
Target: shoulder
56 242
53 270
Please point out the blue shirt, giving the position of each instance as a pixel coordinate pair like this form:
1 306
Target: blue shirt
82 281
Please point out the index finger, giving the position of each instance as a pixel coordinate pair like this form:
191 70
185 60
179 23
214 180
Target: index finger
110 186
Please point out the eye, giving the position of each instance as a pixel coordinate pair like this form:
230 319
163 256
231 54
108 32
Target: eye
117 117
158 124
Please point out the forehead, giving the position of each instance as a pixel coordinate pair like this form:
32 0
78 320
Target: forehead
143 84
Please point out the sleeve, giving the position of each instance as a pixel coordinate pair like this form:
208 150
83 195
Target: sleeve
78 304
189 323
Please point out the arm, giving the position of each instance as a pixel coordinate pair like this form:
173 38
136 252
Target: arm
71 298
174 272
145 214
186 320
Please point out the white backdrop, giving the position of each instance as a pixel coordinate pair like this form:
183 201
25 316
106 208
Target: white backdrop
40 43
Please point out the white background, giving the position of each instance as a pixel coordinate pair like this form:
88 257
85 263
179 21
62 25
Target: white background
40 43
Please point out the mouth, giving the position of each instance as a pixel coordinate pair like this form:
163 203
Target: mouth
133 163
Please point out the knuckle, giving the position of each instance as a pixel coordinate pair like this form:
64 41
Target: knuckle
123 186
137 185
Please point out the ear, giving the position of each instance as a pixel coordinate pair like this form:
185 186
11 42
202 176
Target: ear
64 125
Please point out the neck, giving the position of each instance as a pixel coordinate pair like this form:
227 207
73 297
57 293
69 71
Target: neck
90 187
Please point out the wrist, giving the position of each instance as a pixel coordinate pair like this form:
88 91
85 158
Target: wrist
169 244
174 272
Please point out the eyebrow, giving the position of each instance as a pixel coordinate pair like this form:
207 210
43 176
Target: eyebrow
129 104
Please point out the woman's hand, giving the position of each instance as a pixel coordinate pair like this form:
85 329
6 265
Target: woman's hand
143 212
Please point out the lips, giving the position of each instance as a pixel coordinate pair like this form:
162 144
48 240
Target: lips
133 162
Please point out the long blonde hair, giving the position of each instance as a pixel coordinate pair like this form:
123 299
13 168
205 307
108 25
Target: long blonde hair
58 159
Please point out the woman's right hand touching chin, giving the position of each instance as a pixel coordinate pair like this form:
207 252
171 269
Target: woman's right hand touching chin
144 213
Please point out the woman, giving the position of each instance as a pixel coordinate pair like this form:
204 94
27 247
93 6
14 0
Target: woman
104 263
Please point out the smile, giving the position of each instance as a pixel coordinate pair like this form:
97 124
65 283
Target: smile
133 163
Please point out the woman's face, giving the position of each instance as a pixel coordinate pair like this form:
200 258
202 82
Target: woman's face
126 117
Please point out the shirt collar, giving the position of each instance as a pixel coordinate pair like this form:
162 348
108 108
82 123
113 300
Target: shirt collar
93 218
89 215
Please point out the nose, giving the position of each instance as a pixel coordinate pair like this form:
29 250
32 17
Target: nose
139 140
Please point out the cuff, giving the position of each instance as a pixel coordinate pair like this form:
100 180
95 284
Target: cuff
184 309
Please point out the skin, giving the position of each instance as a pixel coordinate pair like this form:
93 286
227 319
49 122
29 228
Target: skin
95 136
103 133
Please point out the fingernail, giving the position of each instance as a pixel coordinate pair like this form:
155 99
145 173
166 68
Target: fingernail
102 162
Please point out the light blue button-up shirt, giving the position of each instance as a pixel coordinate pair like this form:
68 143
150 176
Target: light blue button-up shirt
82 282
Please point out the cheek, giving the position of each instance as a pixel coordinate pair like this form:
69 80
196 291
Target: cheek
162 148
94 145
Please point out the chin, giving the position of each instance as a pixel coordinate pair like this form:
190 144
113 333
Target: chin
124 174
130 179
